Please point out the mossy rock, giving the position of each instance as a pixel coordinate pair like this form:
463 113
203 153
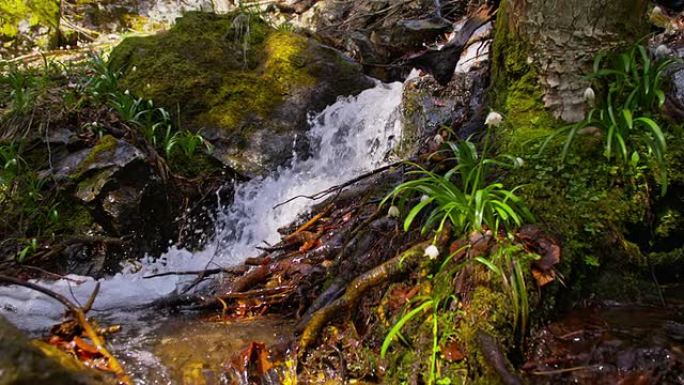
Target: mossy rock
25 362
247 86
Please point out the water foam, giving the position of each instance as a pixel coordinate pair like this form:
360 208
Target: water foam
348 138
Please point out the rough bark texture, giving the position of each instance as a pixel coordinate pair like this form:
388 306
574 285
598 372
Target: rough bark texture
561 38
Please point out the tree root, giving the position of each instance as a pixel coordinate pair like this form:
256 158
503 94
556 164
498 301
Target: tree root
495 358
389 270
79 314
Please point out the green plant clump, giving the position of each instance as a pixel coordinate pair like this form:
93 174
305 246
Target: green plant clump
628 116
463 196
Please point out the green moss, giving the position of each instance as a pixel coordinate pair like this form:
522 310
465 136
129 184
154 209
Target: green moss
36 12
106 144
200 164
218 70
516 91
75 217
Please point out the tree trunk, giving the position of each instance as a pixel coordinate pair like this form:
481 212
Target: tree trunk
557 40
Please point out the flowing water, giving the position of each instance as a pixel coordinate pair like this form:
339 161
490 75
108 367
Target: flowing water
352 136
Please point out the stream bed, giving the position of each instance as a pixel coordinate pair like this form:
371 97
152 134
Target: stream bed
612 343
350 137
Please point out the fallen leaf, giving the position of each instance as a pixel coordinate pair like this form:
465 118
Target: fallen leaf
452 352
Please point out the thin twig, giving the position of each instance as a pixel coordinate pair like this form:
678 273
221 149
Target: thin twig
310 222
339 187
206 272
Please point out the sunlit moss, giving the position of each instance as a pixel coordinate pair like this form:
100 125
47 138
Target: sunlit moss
218 70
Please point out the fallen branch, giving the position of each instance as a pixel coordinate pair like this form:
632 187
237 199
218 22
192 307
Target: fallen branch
309 223
79 315
205 273
258 293
339 187
389 270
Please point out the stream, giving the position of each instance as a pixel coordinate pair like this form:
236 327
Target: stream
350 137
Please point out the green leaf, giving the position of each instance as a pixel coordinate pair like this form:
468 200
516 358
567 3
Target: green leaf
414 211
400 324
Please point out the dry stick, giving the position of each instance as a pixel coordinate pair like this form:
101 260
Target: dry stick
338 187
80 317
394 267
206 272
310 222
256 293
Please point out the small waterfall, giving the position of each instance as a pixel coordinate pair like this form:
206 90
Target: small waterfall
350 137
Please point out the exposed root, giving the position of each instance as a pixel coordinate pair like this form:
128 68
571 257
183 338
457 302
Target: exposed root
389 270
495 358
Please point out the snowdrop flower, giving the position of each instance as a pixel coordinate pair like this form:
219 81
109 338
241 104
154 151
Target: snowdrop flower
438 139
134 68
656 11
519 162
127 92
432 252
589 95
662 51
393 212
423 198
494 119
24 26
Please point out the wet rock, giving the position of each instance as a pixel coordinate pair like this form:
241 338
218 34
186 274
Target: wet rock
24 362
247 86
114 192
373 32
674 104
89 189
428 107
378 33
621 344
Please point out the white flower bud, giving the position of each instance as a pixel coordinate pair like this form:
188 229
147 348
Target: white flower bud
134 68
423 198
519 162
589 95
432 252
393 212
438 139
494 119
127 92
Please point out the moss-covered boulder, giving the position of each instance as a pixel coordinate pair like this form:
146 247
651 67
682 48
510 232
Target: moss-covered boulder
247 86
25 362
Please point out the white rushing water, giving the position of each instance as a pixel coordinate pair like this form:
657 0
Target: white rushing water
350 137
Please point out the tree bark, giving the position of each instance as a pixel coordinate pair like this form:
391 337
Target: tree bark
560 38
